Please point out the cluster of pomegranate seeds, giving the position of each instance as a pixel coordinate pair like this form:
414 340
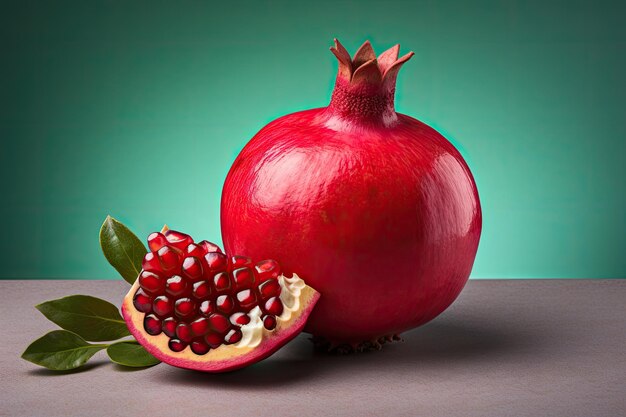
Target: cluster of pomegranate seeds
199 297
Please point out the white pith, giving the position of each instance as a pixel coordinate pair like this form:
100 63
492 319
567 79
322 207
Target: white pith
254 331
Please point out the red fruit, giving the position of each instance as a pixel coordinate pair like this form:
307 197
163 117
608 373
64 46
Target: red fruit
176 345
152 324
269 288
225 304
176 285
246 299
216 261
177 239
169 258
269 322
151 282
195 250
184 333
214 340
162 306
184 308
378 211
201 290
151 262
233 336
243 277
273 306
268 268
209 247
212 324
239 319
192 268
169 327
142 301
199 347
207 308
221 281
200 327
219 323
156 241
239 261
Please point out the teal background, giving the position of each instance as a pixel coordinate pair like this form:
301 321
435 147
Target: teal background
137 109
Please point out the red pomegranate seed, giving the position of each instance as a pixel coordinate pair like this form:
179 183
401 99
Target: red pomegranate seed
214 340
246 299
233 336
170 259
274 306
177 268
219 323
200 327
184 307
194 250
152 324
269 288
207 308
268 268
209 247
201 290
177 239
192 268
221 282
151 263
243 277
239 261
239 319
216 261
183 332
225 304
199 348
162 306
151 282
156 241
169 327
142 301
175 286
269 322
176 345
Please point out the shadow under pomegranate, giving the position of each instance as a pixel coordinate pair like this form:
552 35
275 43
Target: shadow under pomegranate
437 345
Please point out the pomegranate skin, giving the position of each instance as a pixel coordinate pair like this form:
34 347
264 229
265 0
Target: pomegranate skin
375 210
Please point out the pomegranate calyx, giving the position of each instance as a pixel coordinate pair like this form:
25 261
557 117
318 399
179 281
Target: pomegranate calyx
364 54
349 67
365 88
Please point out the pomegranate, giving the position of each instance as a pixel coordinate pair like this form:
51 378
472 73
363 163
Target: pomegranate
194 307
374 209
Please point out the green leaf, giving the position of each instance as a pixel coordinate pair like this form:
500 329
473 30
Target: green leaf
131 353
122 248
60 350
89 317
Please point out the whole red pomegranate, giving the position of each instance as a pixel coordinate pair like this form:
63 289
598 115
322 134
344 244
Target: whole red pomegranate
374 209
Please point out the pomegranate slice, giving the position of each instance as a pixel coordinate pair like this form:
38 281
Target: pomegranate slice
211 312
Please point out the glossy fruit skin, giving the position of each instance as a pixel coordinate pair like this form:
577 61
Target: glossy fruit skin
374 209
385 225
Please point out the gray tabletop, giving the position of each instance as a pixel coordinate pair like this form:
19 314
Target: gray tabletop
505 348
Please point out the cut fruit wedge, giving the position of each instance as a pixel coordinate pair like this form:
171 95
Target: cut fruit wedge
194 307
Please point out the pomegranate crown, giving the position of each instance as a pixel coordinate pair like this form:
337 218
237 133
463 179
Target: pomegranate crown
366 67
